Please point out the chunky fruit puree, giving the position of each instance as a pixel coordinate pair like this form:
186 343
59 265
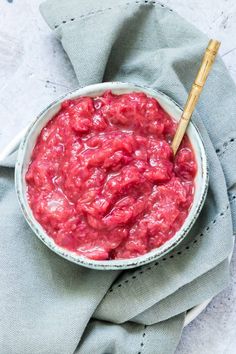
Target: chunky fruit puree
102 180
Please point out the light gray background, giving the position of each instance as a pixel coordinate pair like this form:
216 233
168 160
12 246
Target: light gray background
34 70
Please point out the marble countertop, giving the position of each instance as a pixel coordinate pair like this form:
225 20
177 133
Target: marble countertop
34 71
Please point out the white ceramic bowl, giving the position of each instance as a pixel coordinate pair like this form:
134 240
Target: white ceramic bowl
24 156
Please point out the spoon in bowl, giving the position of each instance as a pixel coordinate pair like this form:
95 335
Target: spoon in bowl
200 80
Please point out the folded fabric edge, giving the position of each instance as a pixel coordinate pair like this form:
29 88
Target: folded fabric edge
201 289
10 160
57 13
159 338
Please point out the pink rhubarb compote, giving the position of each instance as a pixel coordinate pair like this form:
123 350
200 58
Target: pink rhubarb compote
103 181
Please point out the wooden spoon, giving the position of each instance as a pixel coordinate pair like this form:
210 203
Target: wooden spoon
207 61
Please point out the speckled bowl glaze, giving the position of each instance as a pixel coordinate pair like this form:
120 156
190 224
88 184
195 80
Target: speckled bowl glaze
24 156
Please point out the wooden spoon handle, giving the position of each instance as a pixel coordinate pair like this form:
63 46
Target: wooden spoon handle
207 61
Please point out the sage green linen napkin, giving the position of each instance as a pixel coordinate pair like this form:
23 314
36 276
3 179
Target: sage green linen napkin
51 306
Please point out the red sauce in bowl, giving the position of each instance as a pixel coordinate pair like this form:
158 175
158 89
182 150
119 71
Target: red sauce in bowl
102 180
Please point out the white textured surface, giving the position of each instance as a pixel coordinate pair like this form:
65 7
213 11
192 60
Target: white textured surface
34 70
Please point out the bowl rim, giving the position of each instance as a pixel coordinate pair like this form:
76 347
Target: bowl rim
152 255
